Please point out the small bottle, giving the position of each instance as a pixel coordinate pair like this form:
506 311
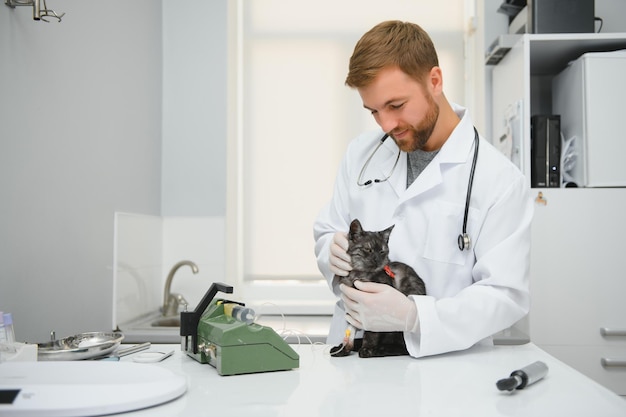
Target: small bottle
8 327
244 314
3 333
239 312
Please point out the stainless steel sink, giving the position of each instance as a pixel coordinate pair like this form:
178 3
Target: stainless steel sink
171 321
153 327
163 325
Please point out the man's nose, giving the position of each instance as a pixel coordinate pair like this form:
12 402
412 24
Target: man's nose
387 121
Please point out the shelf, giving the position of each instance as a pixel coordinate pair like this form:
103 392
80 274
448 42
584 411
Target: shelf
550 53
523 80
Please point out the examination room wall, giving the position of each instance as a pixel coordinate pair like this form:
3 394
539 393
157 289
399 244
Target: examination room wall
83 134
80 103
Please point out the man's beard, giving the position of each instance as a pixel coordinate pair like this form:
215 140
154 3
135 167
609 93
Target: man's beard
422 132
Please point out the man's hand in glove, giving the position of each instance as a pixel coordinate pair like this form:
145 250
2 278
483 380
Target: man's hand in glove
339 258
378 308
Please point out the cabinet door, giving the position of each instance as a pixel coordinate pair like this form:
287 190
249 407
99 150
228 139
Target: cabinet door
578 267
588 360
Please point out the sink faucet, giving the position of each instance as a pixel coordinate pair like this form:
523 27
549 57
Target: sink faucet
172 301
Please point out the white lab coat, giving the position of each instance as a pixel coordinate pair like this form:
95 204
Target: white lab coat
471 294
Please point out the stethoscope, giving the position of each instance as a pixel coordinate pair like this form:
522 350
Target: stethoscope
463 240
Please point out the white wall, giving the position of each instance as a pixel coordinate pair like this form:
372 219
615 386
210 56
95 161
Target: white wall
120 107
80 137
613 14
194 107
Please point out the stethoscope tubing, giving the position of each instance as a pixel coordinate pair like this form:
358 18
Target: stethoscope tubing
463 240
367 162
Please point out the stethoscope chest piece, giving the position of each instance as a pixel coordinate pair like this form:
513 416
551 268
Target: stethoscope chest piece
464 241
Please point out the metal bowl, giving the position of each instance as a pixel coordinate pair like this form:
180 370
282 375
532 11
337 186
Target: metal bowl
80 346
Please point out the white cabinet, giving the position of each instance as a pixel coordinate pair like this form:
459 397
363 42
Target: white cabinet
578 262
578 280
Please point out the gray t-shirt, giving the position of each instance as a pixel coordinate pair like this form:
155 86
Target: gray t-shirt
416 162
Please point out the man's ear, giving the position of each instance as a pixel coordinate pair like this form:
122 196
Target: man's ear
435 81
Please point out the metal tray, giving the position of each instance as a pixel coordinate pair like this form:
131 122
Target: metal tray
80 346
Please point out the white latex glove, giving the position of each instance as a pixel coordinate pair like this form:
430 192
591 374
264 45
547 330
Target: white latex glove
379 308
339 258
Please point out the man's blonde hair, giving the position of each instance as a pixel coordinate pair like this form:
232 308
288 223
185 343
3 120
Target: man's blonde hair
392 43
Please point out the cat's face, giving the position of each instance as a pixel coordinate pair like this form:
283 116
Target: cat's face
369 251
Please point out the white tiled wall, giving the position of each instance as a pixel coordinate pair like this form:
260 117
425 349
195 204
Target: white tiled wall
200 240
137 265
147 247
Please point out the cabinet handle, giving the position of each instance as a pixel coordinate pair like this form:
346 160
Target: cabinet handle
608 362
605 331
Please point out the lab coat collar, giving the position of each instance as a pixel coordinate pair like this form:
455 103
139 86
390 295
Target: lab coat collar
460 143
455 150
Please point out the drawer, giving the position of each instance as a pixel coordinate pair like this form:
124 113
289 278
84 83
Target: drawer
588 360
593 328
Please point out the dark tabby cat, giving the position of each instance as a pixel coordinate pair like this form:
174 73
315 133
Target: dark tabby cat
369 253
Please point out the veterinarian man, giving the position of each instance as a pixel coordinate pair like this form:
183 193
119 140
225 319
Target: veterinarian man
475 265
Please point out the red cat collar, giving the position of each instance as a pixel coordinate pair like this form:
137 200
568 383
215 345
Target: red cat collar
389 272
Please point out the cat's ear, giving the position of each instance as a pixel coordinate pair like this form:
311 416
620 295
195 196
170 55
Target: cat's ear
355 228
387 231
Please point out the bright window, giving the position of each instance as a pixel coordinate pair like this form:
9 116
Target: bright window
292 117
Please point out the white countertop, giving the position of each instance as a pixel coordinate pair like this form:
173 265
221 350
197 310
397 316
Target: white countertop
457 384
293 328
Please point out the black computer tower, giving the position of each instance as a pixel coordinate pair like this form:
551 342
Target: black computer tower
561 16
545 151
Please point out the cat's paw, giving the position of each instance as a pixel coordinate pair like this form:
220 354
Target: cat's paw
366 352
340 350
379 353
